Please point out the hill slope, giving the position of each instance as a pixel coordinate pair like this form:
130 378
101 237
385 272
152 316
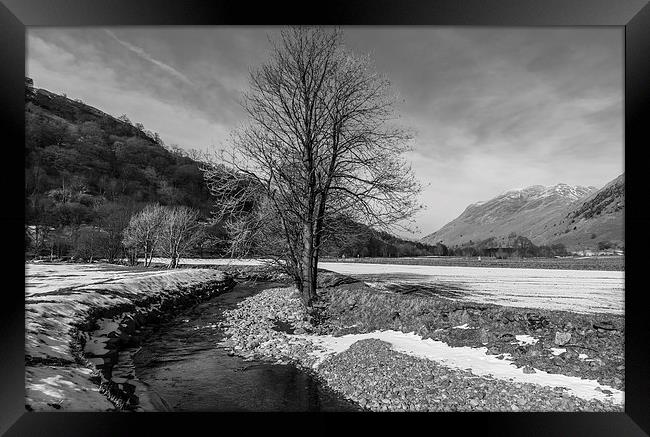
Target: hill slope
525 212
576 216
85 169
595 222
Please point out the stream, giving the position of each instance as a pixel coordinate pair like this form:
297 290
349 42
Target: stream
186 369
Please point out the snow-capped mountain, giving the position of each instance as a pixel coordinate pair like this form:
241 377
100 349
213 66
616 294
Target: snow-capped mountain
533 212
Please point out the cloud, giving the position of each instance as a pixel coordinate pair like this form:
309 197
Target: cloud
98 84
144 55
492 108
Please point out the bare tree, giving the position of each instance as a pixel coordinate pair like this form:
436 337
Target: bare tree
180 231
144 231
320 149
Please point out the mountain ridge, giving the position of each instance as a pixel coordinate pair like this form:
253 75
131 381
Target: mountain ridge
540 214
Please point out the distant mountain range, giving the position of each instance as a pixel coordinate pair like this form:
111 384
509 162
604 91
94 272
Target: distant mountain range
576 216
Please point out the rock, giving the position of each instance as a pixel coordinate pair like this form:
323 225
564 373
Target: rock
528 369
483 336
562 338
604 326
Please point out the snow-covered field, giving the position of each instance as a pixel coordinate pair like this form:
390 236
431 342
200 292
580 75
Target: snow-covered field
212 261
584 291
44 277
467 358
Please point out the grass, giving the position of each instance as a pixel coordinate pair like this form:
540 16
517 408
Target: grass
568 263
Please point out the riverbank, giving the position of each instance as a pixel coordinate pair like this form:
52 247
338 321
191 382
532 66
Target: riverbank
84 324
402 353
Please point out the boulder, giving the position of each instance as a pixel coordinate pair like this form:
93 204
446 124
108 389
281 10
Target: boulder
562 338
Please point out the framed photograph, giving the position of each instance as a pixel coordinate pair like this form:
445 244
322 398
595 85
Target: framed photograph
398 214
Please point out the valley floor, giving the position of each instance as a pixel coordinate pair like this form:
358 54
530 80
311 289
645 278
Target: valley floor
382 348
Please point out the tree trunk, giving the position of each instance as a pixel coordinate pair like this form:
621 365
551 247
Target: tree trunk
308 270
173 262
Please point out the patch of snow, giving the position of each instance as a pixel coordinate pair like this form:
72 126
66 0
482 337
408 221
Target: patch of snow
558 350
50 386
463 326
48 390
583 356
475 360
525 339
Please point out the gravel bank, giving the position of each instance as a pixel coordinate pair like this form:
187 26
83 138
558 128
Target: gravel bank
380 379
583 345
272 325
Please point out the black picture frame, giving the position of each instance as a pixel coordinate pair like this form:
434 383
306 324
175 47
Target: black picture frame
633 15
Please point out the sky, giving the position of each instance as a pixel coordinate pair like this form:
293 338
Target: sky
491 108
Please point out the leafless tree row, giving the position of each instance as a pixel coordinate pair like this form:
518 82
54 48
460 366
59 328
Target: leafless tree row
167 230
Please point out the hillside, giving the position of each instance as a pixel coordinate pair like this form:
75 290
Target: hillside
576 216
87 172
596 222
525 212
81 151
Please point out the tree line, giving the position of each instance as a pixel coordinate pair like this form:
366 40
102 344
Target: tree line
125 234
514 246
